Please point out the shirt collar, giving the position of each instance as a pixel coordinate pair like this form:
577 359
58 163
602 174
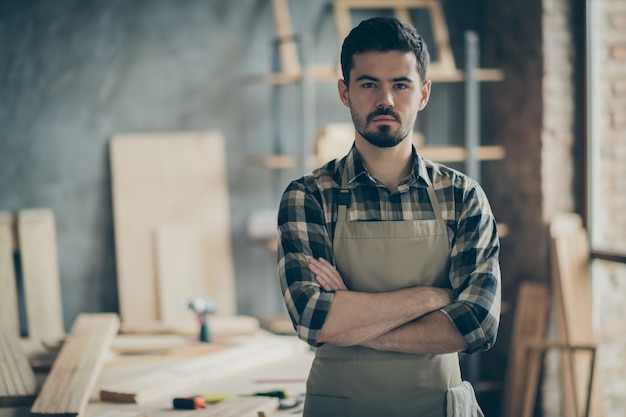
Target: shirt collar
357 170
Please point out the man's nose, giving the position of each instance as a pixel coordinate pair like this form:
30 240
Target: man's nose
385 98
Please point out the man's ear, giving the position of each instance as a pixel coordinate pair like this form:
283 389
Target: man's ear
424 94
343 93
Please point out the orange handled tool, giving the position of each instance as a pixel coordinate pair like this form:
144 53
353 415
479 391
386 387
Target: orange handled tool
189 403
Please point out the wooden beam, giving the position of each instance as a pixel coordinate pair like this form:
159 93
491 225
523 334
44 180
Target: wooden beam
327 73
40 274
18 386
9 313
287 46
74 373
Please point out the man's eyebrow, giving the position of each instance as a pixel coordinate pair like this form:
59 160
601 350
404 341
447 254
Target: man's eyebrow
366 77
405 79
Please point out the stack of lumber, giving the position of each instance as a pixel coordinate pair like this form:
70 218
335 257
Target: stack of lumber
574 343
76 369
529 327
17 380
163 379
582 389
34 229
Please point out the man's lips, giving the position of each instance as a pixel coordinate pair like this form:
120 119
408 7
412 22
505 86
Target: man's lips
384 119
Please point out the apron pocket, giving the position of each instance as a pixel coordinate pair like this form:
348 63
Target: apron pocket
326 406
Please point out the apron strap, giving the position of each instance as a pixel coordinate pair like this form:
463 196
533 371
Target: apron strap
433 201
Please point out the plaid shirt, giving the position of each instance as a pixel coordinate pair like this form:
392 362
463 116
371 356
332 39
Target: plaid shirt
306 223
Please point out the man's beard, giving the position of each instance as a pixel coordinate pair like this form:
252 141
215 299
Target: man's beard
383 137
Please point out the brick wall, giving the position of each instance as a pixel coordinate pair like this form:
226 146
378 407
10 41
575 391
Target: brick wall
609 196
559 142
538 114
512 41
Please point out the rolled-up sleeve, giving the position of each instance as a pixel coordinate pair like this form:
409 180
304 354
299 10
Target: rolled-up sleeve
302 234
475 273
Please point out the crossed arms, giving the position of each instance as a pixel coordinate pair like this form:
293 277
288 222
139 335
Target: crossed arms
405 320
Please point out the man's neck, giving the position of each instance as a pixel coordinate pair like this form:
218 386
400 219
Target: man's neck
388 165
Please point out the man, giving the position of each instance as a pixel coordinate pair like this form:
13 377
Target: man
388 262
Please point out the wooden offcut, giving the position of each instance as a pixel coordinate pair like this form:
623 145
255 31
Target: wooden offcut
9 313
40 274
74 373
572 290
17 379
162 180
528 326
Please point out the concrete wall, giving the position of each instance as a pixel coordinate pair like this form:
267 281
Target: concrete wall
73 73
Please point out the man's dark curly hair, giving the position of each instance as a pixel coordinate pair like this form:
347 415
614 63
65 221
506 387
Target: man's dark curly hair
383 34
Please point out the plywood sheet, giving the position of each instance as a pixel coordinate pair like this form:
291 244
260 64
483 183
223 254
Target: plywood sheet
187 268
40 274
9 314
74 373
159 180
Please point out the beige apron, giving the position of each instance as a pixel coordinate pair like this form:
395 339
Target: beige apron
360 382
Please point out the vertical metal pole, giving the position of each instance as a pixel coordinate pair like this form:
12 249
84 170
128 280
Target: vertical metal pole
472 134
308 106
472 106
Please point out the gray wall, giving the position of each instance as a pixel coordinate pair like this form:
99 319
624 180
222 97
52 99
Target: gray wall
73 73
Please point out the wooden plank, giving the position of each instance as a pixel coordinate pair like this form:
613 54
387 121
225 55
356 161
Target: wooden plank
18 386
9 313
40 274
186 269
74 373
169 380
221 326
528 325
287 47
162 179
572 288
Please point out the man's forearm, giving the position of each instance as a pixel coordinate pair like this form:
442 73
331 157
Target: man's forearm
433 333
354 318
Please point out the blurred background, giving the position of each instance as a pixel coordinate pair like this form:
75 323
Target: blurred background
528 98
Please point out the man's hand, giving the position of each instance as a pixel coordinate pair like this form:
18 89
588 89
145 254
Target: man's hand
326 274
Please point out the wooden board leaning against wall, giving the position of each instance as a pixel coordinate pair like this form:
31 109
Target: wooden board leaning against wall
170 200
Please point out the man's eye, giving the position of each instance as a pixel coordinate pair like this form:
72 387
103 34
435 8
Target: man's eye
368 85
402 86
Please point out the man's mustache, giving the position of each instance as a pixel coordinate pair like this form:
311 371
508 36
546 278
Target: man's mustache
383 112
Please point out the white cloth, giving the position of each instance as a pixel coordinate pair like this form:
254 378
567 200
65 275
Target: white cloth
461 402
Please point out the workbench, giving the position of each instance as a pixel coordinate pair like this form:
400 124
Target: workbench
288 374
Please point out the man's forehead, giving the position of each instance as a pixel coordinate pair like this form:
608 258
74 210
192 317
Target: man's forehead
390 64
